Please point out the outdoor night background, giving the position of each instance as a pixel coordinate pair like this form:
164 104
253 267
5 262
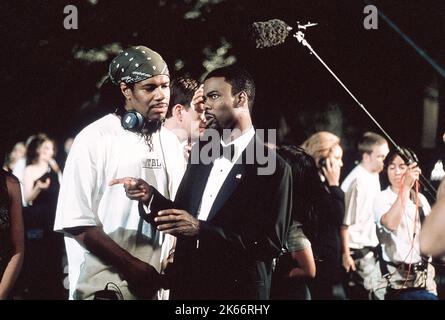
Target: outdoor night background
50 75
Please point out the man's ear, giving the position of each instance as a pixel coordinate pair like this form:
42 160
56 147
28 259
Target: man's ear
242 100
366 157
126 90
177 111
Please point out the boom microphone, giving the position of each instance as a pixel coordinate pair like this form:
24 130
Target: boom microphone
270 33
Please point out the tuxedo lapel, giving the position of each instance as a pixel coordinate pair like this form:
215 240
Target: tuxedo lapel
198 180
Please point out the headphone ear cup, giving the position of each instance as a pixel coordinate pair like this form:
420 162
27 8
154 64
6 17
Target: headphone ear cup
132 121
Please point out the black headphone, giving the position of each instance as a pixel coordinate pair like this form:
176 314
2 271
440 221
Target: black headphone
133 121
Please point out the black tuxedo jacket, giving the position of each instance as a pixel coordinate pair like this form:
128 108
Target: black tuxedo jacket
232 256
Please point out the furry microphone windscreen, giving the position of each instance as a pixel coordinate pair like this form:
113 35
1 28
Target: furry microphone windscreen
269 33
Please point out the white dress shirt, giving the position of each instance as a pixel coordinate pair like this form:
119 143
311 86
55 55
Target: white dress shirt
221 168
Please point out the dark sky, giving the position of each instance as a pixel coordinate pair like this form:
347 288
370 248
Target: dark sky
46 89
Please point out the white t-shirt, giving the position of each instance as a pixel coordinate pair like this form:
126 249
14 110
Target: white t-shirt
181 164
101 152
350 178
399 246
359 200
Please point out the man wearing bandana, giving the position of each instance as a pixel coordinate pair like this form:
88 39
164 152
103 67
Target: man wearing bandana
107 243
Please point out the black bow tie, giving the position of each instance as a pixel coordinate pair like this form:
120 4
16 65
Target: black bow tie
227 152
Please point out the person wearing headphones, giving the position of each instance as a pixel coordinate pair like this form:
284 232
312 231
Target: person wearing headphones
399 214
106 240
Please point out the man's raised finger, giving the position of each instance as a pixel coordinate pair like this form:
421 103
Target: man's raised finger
117 181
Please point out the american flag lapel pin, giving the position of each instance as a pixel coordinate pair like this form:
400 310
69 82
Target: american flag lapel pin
238 176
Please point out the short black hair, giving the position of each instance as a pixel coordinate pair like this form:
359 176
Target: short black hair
182 91
238 78
404 153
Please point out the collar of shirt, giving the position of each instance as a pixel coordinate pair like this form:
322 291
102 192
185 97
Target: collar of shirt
373 175
241 142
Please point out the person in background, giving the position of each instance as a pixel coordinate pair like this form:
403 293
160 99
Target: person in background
325 149
12 239
16 160
185 114
43 272
358 233
399 213
295 267
61 159
185 120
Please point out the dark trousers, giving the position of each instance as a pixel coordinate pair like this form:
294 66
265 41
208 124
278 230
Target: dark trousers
409 294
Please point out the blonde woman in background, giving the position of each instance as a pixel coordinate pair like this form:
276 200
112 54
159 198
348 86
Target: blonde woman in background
324 147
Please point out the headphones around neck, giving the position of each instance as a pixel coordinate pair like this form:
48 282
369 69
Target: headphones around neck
133 121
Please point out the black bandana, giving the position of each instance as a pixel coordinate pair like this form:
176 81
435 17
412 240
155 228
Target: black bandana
136 64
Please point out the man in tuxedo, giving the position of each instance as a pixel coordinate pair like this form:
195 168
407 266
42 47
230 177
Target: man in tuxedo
230 217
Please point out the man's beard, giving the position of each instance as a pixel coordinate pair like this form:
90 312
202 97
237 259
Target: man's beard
151 127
